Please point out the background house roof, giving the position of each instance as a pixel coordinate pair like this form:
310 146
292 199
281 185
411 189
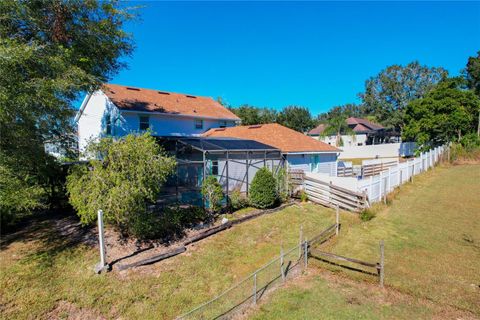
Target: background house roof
358 125
275 135
147 100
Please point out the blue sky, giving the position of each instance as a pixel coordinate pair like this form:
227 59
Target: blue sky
273 54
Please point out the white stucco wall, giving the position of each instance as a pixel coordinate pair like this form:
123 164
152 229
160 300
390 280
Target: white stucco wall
348 141
388 150
327 163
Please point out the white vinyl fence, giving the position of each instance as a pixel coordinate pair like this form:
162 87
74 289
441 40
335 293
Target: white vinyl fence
375 187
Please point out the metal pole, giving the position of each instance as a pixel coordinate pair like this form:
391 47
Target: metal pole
247 170
337 219
382 262
228 187
101 243
255 288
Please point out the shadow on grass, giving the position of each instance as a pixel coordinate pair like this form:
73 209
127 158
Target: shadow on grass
55 231
345 266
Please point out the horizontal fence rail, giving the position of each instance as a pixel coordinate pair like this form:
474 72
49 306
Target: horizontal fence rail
378 180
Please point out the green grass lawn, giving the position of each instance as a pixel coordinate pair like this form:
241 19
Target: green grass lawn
41 272
432 251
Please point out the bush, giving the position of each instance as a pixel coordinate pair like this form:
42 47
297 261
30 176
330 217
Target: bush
281 183
237 200
263 190
18 196
169 224
122 184
470 141
213 193
367 214
303 196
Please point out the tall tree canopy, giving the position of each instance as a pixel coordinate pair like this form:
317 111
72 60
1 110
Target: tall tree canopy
473 73
347 110
445 114
253 115
296 118
388 93
50 52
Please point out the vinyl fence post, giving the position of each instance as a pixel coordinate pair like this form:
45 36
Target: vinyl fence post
337 220
382 262
305 253
282 273
101 243
300 241
254 288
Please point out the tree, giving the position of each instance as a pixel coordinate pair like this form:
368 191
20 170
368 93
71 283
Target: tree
212 192
296 118
445 114
128 177
347 110
337 126
251 115
51 51
387 94
263 190
473 73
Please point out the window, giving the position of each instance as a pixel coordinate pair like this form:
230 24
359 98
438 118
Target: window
144 123
108 125
223 124
198 124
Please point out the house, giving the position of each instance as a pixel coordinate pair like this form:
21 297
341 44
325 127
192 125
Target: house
299 151
117 110
364 131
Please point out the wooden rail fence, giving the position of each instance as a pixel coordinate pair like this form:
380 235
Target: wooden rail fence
376 168
331 195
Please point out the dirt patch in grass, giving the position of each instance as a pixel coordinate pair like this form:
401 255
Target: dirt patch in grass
67 310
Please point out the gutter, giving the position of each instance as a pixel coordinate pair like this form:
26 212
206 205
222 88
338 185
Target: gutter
82 107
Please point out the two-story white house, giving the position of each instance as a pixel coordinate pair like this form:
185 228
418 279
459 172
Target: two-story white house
116 110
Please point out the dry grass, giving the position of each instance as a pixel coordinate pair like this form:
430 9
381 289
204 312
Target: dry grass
432 250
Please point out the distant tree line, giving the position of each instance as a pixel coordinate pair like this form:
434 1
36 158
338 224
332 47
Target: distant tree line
421 102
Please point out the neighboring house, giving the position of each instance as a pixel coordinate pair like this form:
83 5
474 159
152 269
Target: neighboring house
365 132
118 110
300 151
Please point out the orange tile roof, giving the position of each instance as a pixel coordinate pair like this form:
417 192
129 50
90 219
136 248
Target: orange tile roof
276 135
138 99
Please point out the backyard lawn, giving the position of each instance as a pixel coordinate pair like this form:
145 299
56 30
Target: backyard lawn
432 248
43 276
432 251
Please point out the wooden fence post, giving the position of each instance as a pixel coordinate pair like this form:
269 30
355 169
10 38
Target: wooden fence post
282 272
255 288
300 241
382 262
305 253
337 220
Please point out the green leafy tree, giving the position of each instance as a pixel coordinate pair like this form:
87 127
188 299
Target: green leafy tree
387 94
212 192
128 177
347 110
296 118
473 73
51 51
445 114
251 115
337 126
263 189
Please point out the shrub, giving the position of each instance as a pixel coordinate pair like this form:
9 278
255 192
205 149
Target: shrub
263 190
18 196
281 184
168 224
303 196
470 141
213 193
122 184
237 200
367 214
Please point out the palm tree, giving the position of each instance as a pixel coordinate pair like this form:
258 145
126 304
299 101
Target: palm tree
337 125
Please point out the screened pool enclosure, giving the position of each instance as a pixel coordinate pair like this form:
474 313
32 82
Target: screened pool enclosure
233 161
